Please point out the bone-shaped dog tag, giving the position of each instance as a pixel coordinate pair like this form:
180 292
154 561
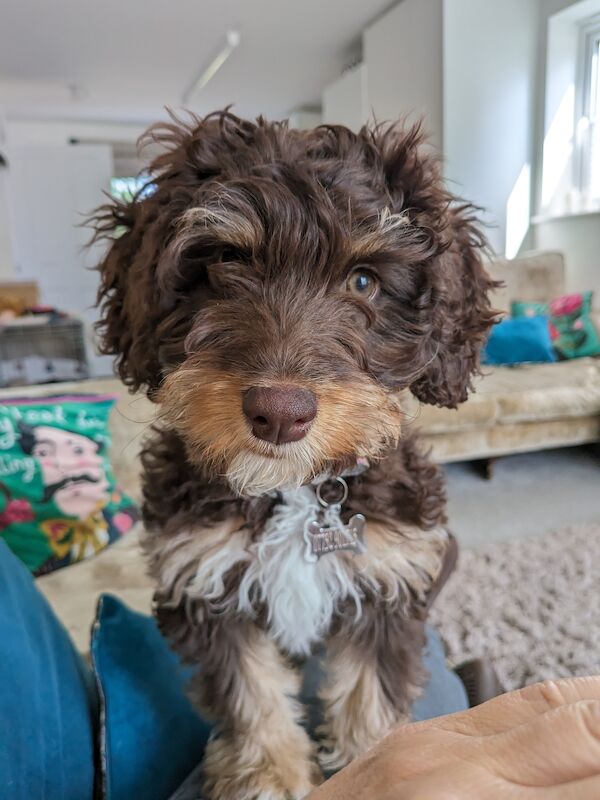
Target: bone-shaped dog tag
322 539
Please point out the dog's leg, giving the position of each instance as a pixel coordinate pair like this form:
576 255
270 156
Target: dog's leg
374 673
260 751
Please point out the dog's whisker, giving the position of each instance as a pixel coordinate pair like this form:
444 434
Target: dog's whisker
135 438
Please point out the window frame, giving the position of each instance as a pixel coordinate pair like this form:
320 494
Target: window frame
588 46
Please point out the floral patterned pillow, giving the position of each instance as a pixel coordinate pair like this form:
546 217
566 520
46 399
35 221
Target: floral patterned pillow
572 331
58 499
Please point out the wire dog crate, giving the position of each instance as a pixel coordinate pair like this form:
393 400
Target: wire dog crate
42 352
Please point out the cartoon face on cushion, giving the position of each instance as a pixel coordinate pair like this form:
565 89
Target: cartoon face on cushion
72 468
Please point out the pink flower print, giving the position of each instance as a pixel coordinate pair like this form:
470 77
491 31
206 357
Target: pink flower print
567 304
16 511
122 522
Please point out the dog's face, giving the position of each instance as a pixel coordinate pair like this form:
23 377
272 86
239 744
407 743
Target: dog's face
279 288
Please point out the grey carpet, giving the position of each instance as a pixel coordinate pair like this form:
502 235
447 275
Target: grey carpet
532 606
530 494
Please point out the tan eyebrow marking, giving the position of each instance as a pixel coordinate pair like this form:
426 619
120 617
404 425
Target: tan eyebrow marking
369 240
228 226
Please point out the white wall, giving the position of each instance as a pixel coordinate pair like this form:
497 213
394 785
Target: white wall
6 263
51 189
47 187
578 237
403 54
304 118
490 51
469 67
50 132
19 132
345 101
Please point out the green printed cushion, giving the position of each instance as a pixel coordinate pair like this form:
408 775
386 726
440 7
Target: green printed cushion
572 331
58 499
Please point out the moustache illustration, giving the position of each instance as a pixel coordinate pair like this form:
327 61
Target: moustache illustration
51 489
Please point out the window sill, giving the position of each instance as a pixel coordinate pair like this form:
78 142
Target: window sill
541 219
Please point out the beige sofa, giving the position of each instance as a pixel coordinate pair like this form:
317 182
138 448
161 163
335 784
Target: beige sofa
522 408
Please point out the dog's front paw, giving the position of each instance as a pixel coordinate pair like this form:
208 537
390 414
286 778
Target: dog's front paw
243 769
342 745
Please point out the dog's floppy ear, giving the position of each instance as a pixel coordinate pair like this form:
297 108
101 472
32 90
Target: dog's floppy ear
461 314
138 323
454 286
127 308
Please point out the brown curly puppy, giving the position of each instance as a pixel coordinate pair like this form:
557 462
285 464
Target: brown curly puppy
275 291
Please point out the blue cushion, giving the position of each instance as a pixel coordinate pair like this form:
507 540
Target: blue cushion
46 709
444 692
515 341
151 736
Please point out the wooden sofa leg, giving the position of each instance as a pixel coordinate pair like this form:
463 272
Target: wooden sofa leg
593 449
485 467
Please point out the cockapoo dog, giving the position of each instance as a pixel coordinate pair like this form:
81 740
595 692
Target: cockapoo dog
276 291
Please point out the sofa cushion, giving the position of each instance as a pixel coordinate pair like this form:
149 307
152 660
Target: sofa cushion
151 736
59 502
571 326
131 418
534 276
519 341
525 393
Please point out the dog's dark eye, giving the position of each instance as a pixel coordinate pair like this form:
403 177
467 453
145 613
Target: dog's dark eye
363 284
229 254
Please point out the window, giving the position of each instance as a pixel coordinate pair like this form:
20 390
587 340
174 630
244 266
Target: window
126 189
587 162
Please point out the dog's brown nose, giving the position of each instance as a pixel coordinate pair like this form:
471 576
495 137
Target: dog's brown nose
279 414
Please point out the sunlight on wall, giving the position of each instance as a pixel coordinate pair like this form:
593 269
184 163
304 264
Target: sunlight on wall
518 212
558 146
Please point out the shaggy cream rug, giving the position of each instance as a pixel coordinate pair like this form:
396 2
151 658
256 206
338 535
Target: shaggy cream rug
532 606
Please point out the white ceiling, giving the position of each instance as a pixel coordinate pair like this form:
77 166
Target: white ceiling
126 59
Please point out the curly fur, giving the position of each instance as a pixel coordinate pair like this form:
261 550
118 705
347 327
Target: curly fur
230 273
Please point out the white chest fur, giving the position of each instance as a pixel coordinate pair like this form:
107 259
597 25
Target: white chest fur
300 596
